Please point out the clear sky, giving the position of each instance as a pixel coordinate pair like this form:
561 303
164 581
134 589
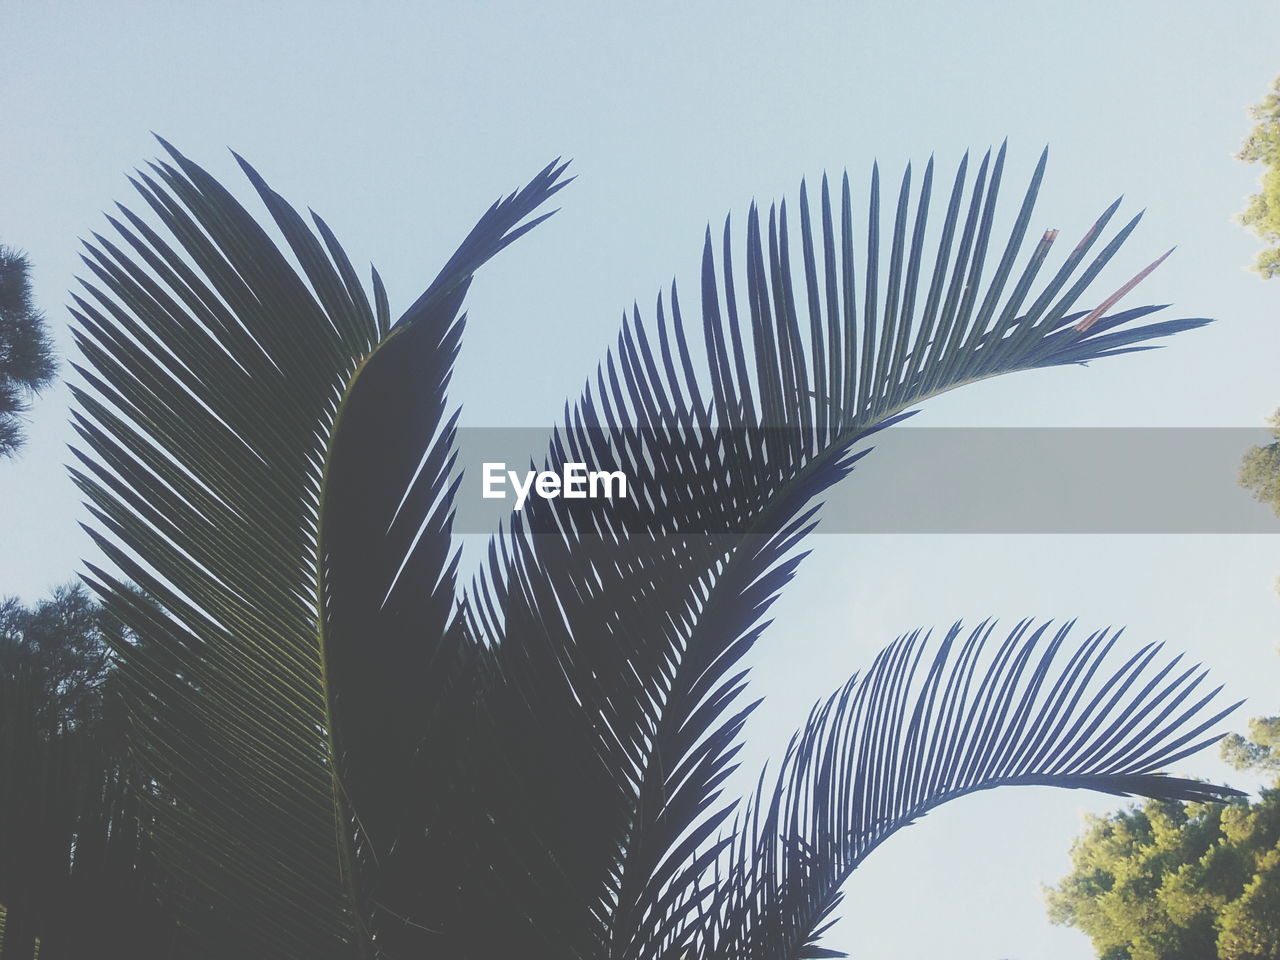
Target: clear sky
400 123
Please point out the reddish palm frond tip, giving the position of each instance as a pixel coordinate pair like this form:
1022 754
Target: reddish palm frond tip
1112 300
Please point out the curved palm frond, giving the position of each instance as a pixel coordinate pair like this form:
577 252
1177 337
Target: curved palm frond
918 731
344 764
613 641
235 474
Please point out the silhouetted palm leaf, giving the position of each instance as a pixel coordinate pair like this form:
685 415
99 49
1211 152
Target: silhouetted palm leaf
918 731
616 700
240 478
345 764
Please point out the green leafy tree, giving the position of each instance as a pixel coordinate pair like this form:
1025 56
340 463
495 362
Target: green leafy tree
349 754
1259 751
1174 881
1260 468
1262 215
26 353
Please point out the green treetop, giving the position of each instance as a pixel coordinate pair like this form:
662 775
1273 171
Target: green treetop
1259 751
1260 467
1188 881
1262 215
1175 881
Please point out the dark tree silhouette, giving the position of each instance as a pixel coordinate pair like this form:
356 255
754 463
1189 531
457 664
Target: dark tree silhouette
75 865
26 353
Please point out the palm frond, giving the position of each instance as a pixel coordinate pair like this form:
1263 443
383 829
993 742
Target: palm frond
921 729
343 764
614 638
235 473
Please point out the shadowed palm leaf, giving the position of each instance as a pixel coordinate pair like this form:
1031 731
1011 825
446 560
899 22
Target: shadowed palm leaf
348 764
219 379
617 692
885 749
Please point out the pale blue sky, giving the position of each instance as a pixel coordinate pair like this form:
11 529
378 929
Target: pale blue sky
400 125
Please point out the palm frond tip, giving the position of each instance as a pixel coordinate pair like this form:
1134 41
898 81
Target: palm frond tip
921 729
